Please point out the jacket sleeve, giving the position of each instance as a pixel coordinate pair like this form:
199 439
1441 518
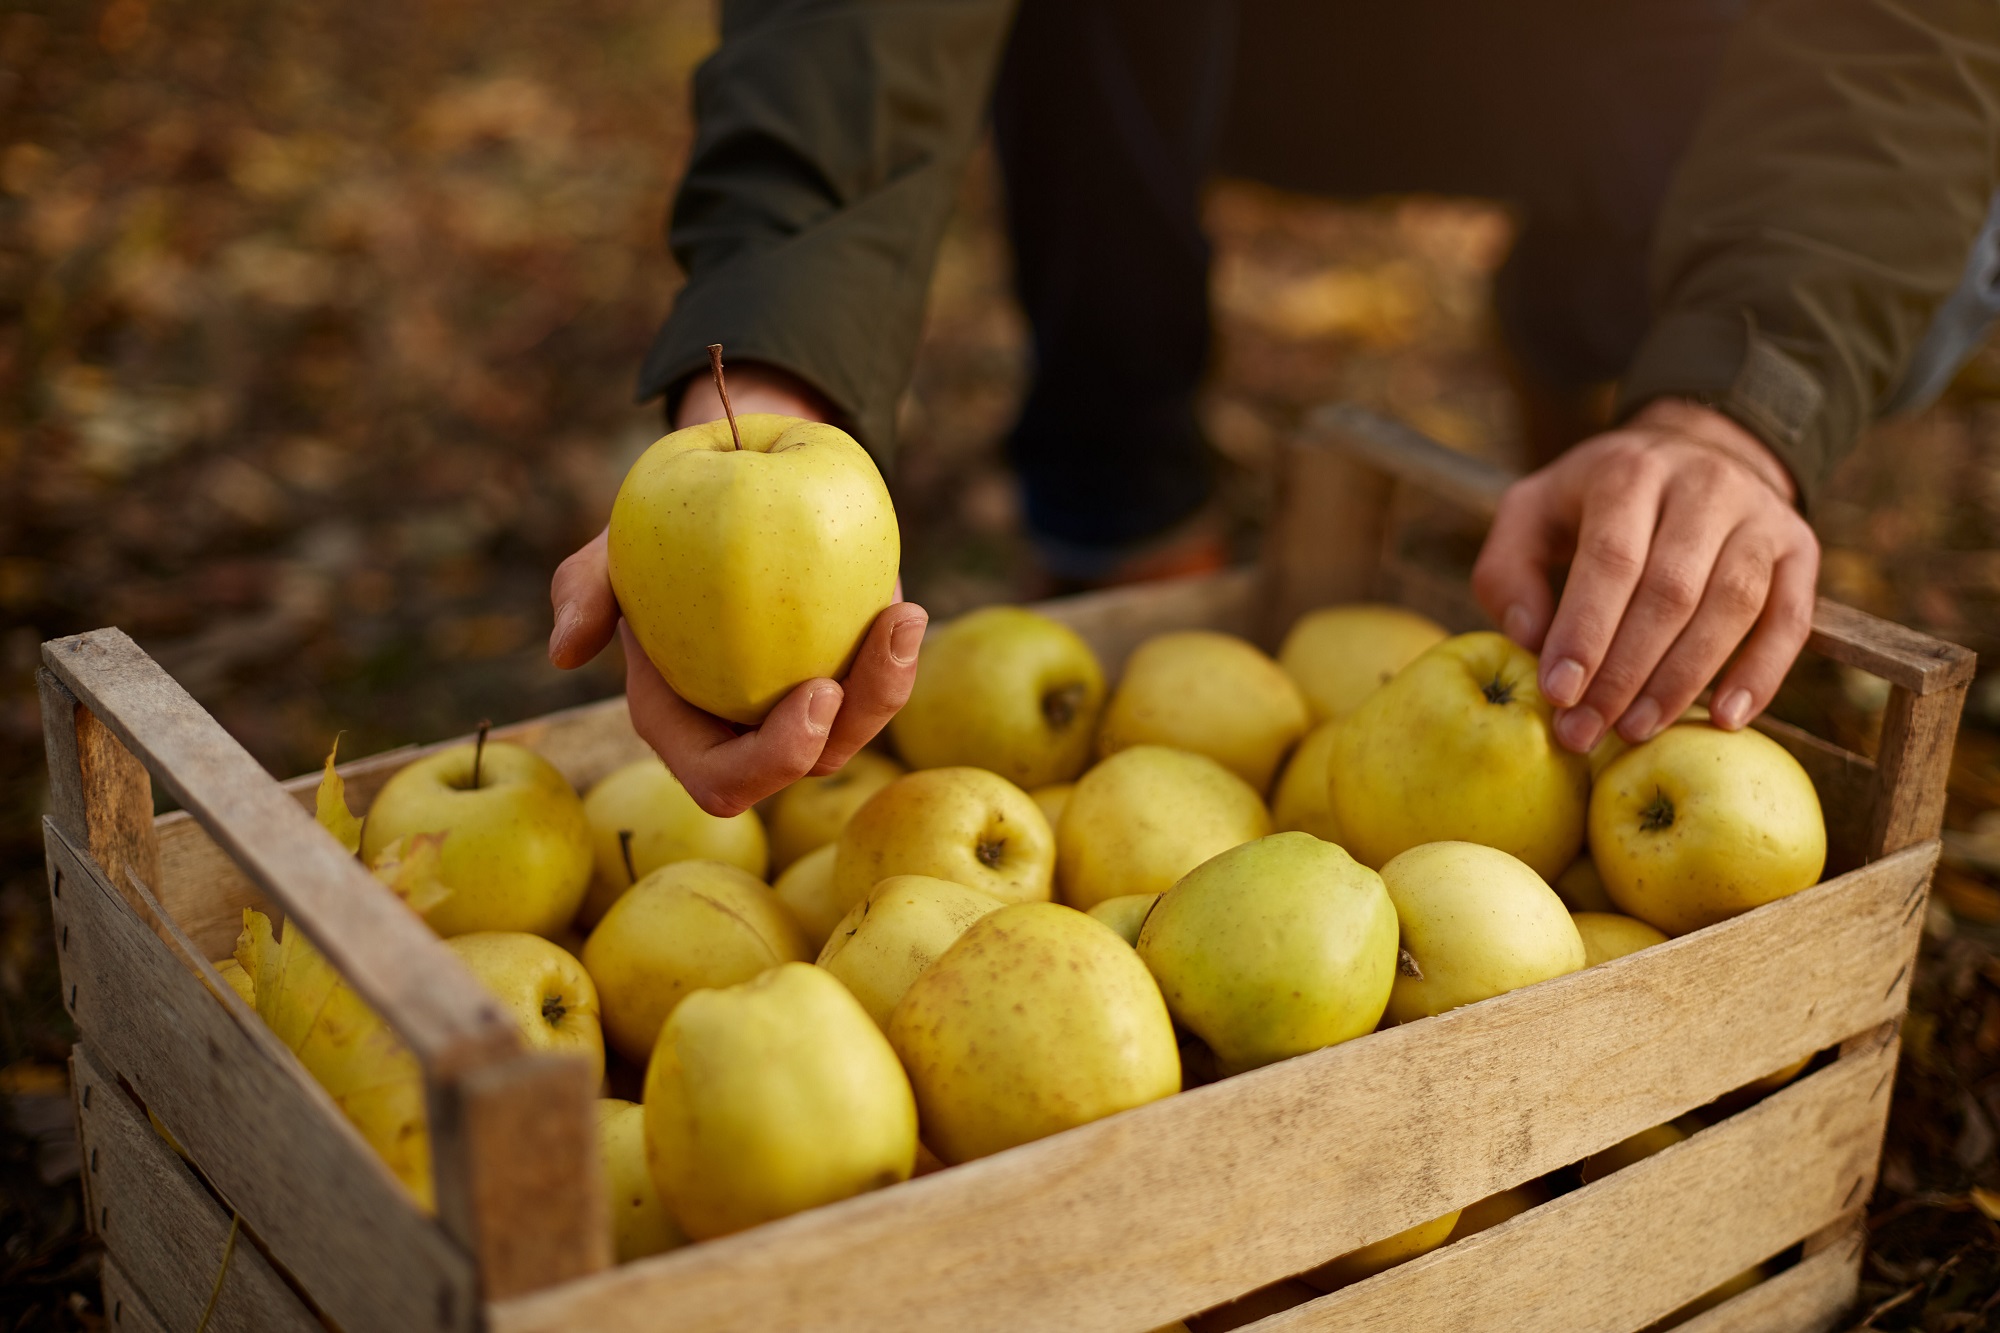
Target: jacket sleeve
1826 207
830 139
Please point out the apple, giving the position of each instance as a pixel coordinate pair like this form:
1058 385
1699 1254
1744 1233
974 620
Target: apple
1340 655
688 926
888 938
1581 888
1006 689
771 1097
1459 747
640 1221
1476 923
751 555
1146 816
1052 799
1698 825
1612 744
1272 949
1214 694
1608 935
543 988
516 853
1382 1255
1302 801
966 825
1038 1019
806 889
647 802
1494 1209
1126 914
1625 1152
810 814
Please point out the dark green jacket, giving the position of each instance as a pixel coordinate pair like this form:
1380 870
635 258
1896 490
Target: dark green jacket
1826 206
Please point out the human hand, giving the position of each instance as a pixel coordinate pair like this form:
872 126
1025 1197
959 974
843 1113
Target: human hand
814 729
1682 538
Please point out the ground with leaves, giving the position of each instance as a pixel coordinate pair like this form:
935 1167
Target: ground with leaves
317 331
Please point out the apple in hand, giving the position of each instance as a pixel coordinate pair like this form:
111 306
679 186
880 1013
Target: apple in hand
543 988
752 554
645 800
516 853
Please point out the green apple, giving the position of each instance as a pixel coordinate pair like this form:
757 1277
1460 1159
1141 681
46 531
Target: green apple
1383 1255
689 926
1302 801
640 1221
770 1097
1698 825
1476 923
1126 914
806 888
1006 689
904 924
543 988
745 571
1272 949
1038 1019
1459 747
1214 694
1340 655
645 800
811 812
516 853
1608 935
1146 816
966 825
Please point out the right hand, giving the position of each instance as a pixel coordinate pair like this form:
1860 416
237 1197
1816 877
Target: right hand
814 729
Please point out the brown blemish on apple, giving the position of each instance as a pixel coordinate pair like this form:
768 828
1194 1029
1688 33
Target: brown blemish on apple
1061 705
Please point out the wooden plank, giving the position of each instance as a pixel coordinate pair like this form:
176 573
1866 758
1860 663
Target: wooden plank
1124 1224
383 950
1902 656
166 1233
1117 620
1912 765
1324 544
264 1134
1815 1295
1642 1242
125 1310
98 793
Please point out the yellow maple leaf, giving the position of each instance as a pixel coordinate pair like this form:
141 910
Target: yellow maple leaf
331 806
410 866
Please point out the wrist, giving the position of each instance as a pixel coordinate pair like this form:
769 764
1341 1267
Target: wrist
754 386
1691 422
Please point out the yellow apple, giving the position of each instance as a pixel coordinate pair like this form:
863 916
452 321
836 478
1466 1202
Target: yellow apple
516 853
1458 747
1052 799
1698 825
1214 694
1302 801
1608 935
1638 1148
645 799
1476 923
888 938
689 926
1126 914
640 1222
1581 888
543 988
1340 655
1253 1307
966 825
1146 816
1036 1020
771 1097
1382 1255
1612 745
1711 1298
1494 1209
1272 949
1006 689
747 571
806 888
811 812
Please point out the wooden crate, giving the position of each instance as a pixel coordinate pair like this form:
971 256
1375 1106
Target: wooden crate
1117 1226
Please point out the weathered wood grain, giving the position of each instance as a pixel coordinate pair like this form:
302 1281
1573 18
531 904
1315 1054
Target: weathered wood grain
264 1134
1900 655
166 1233
1814 1295
1116 621
99 794
1912 764
125 1308
1124 1224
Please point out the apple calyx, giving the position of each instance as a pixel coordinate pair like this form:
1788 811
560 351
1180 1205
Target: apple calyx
722 391
989 852
1061 705
1657 815
553 1010
1498 691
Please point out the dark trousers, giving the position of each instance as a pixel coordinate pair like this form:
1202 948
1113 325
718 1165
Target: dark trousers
1111 114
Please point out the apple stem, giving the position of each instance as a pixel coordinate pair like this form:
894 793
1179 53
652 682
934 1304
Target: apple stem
479 750
625 851
715 364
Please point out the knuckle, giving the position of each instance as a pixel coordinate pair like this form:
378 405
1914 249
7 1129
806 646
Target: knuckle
1740 591
1676 587
1613 553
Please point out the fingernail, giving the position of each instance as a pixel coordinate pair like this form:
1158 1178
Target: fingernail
1732 710
821 707
906 638
1517 624
566 616
1579 728
1642 719
1563 683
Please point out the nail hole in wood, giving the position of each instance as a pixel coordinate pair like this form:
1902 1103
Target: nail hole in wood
118 1312
65 937
55 890
103 1219
86 1087
72 995
93 1161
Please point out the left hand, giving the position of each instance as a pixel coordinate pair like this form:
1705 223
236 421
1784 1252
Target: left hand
1683 541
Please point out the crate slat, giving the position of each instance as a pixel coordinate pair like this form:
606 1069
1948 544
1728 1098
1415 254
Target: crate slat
164 1229
1129 1222
125 1309
1812 1296
265 1134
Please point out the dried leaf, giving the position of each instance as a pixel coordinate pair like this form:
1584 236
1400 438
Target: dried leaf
332 811
410 866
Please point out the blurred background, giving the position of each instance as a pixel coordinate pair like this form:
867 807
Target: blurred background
318 330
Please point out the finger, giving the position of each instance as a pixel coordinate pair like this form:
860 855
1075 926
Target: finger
724 771
1679 567
1748 686
1530 534
1613 536
878 683
586 611
1738 588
